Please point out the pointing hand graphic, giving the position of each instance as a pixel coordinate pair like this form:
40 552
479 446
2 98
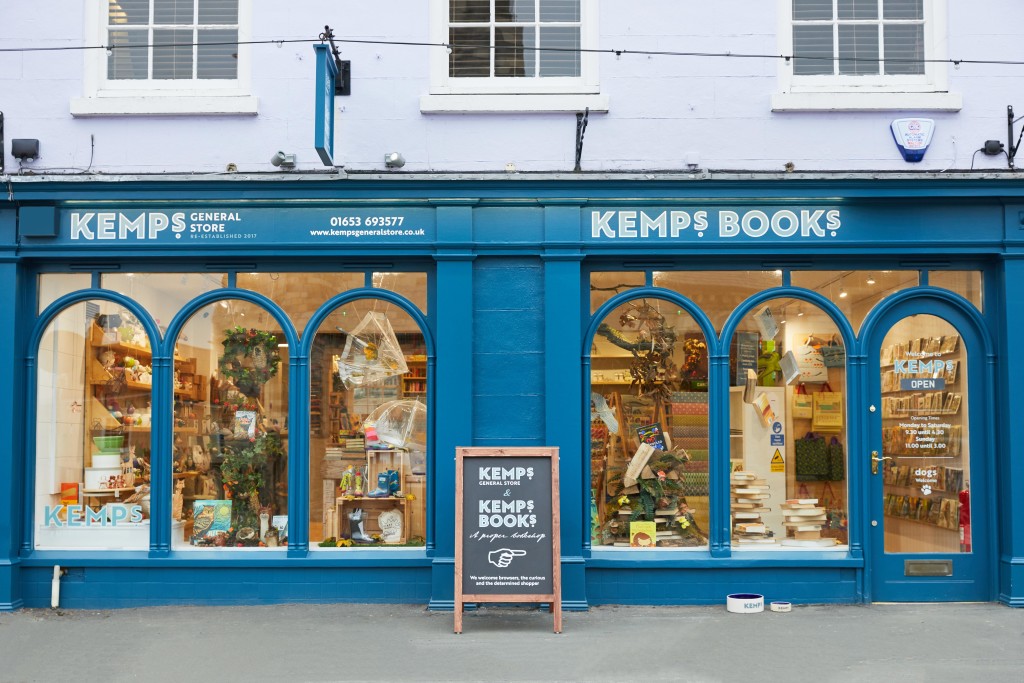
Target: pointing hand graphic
503 556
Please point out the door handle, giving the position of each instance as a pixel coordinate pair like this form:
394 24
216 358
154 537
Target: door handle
875 460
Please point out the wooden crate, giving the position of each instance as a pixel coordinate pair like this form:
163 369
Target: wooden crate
372 507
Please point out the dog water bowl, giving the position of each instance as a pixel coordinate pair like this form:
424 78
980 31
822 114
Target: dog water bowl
744 603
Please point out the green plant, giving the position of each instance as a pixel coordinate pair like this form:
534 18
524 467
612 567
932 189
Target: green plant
250 359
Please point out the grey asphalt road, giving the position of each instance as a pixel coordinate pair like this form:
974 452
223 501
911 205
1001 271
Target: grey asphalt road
959 643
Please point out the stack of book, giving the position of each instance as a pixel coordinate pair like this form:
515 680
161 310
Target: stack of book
804 519
355 445
749 494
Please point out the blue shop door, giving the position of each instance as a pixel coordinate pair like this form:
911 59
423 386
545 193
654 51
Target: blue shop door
929 460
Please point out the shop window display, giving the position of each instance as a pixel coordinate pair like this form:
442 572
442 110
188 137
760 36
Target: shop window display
649 428
230 436
93 426
787 436
368 428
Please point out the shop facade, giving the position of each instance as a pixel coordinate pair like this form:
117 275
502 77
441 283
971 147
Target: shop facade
251 391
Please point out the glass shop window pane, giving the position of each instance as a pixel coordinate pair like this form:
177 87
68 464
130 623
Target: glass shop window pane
162 294
230 444
413 286
93 417
787 429
812 10
966 283
300 294
53 286
718 292
368 429
649 429
605 285
855 292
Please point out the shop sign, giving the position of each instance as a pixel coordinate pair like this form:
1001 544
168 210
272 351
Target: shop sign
222 226
323 110
729 224
73 516
506 517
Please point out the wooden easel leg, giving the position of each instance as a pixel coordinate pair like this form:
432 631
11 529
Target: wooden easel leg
458 614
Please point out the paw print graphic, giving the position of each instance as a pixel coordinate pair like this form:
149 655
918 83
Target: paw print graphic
926 490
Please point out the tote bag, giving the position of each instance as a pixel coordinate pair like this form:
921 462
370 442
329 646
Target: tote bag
811 458
828 411
811 364
803 404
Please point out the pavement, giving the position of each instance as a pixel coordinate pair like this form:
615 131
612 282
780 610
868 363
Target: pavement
883 642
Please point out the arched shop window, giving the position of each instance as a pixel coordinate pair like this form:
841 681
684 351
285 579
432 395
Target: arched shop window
230 429
93 425
855 292
368 428
649 428
787 428
718 293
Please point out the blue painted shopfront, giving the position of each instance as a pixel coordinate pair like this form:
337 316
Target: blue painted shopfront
509 332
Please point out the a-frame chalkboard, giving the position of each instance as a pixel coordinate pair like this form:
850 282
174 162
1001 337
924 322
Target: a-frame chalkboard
506 528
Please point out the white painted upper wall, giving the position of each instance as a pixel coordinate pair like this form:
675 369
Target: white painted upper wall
660 109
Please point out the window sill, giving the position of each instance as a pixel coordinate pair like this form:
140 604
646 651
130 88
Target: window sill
499 104
165 105
867 101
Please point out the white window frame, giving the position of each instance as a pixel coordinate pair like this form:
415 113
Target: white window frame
475 95
928 91
103 96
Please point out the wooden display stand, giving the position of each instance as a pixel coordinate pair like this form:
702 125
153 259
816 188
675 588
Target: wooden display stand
372 507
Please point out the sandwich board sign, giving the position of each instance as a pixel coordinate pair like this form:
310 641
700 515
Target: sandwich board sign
507 528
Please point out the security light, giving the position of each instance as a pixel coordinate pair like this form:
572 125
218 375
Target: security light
282 160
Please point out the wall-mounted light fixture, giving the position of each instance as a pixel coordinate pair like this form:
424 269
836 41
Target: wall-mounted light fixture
282 160
871 279
842 293
394 160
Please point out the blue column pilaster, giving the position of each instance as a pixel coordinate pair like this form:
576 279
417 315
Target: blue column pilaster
298 455
1009 455
11 444
566 412
160 461
451 415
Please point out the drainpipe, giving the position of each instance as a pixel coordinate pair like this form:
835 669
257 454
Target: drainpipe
55 587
